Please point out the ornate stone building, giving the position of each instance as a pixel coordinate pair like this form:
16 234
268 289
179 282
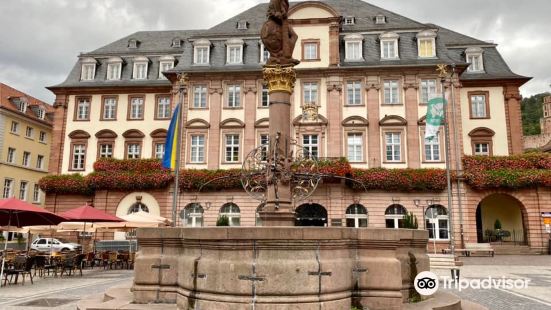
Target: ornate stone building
364 81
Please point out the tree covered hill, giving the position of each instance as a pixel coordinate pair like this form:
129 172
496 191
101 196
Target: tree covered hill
532 112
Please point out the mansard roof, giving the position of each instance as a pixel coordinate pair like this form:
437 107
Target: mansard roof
450 47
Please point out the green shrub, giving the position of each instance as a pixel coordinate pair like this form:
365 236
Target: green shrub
410 221
223 221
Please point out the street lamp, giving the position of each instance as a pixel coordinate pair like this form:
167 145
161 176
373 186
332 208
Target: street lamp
418 204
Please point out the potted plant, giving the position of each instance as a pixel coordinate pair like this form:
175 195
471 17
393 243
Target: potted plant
223 221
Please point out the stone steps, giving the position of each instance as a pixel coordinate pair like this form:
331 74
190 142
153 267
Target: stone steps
512 249
443 261
118 298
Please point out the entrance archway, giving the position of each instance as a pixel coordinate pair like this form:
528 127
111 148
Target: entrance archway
500 217
312 214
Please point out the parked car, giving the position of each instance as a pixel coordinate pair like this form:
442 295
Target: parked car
54 245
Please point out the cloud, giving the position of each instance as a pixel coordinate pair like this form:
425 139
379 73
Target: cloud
40 40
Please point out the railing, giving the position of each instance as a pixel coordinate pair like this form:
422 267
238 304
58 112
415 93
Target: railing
515 236
116 245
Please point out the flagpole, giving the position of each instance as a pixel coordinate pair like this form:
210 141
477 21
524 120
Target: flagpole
443 75
182 87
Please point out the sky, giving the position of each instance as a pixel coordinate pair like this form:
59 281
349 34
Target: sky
40 39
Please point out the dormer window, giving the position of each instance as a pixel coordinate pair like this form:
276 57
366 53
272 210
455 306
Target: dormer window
389 45
201 52
139 71
473 55
114 68
242 25
349 20
380 19
264 53
88 70
21 104
234 51
133 43
176 42
353 44
40 113
426 44
165 63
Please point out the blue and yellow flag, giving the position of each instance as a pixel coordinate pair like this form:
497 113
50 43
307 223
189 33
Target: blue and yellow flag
171 144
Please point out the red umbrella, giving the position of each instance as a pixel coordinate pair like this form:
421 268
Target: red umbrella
14 212
89 214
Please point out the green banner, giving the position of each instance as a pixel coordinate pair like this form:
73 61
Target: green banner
435 117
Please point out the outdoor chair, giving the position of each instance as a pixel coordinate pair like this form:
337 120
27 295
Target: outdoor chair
25 268
114 260
131 259
105 259
90 259
22 266
79 261
67 264
39 265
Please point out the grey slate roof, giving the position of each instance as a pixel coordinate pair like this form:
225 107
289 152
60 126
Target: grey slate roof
152 44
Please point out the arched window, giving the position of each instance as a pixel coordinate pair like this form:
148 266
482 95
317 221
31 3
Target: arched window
258 220
437 222
394 216
356 216
192 215
231 210
137 207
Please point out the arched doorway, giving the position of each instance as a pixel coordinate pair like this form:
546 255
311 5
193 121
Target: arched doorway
132 203
500 217
311 214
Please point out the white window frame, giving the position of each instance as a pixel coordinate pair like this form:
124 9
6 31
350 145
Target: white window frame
88 70
137 72
234 54
163 107
40 162
426 36
23 190
29 132
265 95
193 215
200 97
165 63
201 52
311 144
354 93
432 149
478 149
26 162
391 92
309 53
114 69
349 20
79 156
37 194
352 40
232 147
109 108
160 149
380 19
106 150
83 109
42 136
425 93
390 38
11 158
41 113
263 141
436 222
233 213
234 96
7 191
310 93
395 217
352 213
478 53
136 110
355 147
478 107
133 150
14 127
263 57
197 149
394 147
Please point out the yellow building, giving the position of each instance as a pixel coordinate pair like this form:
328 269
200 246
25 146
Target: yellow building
25 141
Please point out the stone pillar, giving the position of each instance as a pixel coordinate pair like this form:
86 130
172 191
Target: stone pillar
281 82
334 45
216 101
514 120
374 132
58 134
334 115
412 116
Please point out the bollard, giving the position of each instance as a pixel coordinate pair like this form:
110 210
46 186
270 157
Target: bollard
455 274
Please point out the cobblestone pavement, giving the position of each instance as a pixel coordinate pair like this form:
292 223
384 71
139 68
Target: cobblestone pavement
60 293
537 269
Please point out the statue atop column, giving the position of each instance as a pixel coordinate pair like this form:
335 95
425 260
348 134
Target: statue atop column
278 36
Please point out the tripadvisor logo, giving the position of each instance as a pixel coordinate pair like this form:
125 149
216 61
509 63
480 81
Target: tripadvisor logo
426 283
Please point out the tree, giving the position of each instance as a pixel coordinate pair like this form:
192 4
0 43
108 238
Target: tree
532 112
